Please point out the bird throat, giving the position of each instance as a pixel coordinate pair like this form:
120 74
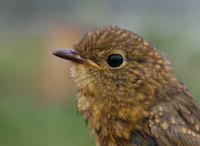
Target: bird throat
111 121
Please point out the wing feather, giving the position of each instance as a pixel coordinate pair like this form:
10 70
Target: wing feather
176 121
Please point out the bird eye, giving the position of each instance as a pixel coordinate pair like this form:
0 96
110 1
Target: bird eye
115 60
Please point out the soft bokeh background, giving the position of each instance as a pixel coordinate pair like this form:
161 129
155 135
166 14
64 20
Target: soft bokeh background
37 98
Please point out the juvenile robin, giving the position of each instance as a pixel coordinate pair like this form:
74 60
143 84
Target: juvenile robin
128 92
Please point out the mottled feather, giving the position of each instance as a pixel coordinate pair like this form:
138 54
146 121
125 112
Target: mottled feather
138 103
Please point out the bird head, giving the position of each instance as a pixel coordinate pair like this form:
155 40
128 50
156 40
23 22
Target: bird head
117 65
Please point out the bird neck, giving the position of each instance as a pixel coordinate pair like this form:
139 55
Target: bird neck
112 122
117 129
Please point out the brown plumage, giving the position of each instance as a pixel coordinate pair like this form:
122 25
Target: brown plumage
128 93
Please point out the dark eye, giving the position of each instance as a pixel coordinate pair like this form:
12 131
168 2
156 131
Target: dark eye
115 60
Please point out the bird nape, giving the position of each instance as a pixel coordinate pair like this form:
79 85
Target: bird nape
128 92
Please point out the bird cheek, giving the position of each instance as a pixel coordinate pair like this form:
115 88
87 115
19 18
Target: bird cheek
78 73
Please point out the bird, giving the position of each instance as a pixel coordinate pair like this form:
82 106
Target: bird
128 92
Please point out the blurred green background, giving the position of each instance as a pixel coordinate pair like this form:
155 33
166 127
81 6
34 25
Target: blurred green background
37 97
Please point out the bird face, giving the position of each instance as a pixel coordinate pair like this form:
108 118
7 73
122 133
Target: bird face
128 92
116 64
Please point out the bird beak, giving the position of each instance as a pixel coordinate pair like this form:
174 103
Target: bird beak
73 55
68 54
